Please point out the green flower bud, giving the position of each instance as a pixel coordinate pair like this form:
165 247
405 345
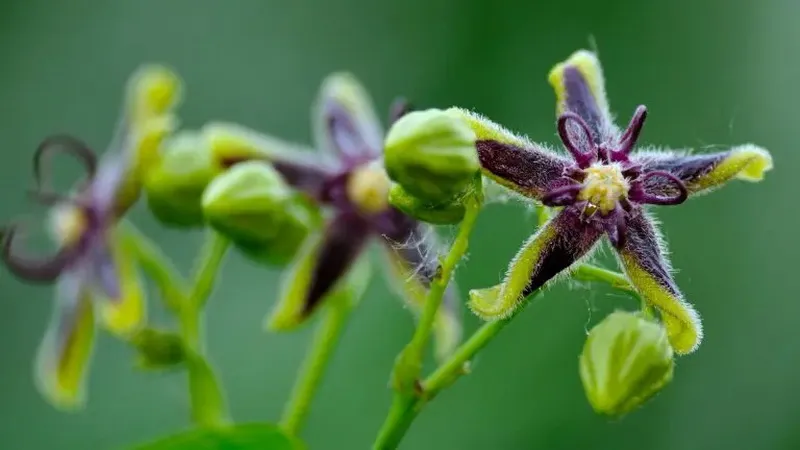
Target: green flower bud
437 214
158 349
432 155
252 205
626 360
176 183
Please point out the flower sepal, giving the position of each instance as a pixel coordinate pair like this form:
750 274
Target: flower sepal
266 219
626 360
432 155
158 349
446 213
175 185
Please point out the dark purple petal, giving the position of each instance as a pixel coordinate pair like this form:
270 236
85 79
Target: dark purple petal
644 260
531 171
345 121
658 187
704 172
579 99
31 268
345 238
563 240
305 176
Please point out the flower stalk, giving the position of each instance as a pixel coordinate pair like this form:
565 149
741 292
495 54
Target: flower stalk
208 407
326 337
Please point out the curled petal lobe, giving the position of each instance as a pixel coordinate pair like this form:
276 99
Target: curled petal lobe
301 167
555 247
31 268
702 173
412 263
345 122
644 261
320 265
61 144
65 353
119 289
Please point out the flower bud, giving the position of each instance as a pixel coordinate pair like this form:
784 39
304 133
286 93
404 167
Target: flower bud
437 214
432 155
252 205
158 349
176 183
626 360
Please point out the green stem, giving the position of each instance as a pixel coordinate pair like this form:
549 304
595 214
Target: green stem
408 365
156 265
406 408
324 342
588 272
208 407
403 413
208 399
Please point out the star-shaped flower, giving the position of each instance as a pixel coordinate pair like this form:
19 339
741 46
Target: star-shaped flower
90 269
602 189
348 179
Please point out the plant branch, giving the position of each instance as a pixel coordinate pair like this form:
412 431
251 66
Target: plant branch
324 342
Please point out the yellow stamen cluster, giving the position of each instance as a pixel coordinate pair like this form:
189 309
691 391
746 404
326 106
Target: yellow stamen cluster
68 222
368 188
604 186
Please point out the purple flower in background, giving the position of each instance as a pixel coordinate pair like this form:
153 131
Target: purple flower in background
92 270
348 179
601 189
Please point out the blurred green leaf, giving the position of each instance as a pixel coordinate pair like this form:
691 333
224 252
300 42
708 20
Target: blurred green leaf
238 437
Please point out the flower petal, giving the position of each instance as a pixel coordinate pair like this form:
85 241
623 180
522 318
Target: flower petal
702 173
644 261
119 286
513 161
580 88
301 167
344 119
554 249
318 268
65 353
412 262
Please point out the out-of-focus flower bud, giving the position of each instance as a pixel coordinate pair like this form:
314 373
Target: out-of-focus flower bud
432 155
176 183
158 349
252 205
626 360
437 214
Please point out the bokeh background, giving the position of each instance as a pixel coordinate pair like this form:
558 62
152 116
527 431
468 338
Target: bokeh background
712 72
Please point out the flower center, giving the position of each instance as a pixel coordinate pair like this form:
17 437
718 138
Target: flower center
604 186
68 223
368 188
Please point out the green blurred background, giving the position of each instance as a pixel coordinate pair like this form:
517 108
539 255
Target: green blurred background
713 73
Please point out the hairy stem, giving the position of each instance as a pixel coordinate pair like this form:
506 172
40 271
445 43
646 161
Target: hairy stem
405 408
408 365
324 342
